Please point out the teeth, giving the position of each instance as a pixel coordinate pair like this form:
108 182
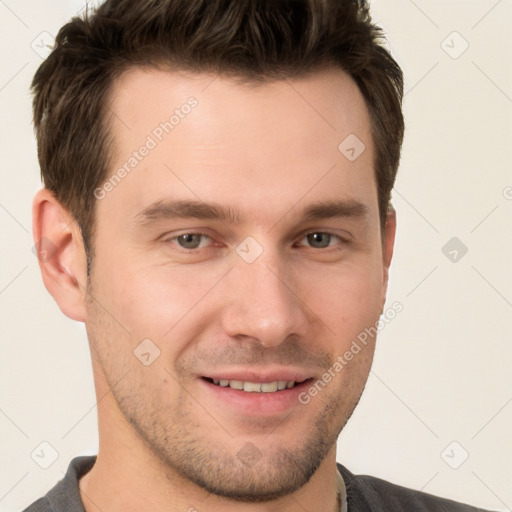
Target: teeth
255 387
252 386
236 384
269 387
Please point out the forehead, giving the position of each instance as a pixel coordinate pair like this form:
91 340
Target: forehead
255 147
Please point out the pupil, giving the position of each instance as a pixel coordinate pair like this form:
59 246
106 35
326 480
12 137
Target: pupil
319 239
189 241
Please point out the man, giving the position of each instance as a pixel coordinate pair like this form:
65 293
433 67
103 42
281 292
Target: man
216 211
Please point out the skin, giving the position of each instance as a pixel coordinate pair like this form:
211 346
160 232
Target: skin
164 443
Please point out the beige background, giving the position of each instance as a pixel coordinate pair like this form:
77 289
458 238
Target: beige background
442 368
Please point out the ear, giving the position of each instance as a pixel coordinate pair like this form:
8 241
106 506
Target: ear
61 254
388 243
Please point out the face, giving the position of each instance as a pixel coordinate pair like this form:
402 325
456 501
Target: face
240 246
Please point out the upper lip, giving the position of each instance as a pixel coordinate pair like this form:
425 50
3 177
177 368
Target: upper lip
263 375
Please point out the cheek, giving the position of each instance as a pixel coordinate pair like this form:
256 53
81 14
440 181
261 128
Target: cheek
347 300
156 301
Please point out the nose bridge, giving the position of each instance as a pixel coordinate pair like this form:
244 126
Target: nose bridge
263 304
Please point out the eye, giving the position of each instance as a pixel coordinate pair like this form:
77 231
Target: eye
191 240
320 240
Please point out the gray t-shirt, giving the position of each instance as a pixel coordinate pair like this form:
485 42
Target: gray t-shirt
364 494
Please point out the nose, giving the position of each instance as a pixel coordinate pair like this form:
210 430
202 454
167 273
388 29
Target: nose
263 302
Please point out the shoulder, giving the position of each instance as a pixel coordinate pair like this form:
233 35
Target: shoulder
374 494
65 496
41 505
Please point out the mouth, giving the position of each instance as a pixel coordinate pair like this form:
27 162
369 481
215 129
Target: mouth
255 393
257 387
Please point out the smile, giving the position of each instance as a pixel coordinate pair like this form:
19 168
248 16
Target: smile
255 387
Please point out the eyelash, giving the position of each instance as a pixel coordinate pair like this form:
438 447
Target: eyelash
175 238
343 241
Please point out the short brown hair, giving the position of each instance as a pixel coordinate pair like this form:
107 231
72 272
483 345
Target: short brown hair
252 40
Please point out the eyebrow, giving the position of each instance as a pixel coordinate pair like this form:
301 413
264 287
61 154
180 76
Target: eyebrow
169 209
178 209
330 209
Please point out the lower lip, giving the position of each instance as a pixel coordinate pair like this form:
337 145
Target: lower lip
256 403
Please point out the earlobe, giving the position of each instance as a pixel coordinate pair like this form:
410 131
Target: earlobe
61 254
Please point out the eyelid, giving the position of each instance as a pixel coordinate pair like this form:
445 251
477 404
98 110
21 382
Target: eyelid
341 239
173 239
342 234
300 238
